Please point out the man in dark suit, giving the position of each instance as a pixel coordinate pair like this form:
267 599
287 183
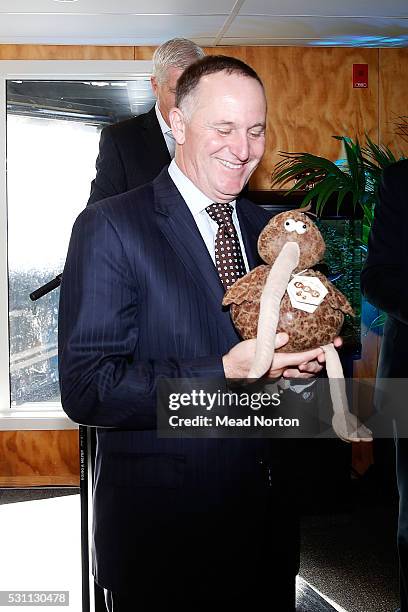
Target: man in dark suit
134 151
179 524
383 283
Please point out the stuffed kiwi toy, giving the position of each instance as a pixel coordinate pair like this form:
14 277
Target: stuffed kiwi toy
287 295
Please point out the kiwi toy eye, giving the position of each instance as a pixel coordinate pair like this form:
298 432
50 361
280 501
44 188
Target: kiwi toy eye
301 227
290 225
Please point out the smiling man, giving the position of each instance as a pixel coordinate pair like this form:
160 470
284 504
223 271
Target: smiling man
179 524
221 135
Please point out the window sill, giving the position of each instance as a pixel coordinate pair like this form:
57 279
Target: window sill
31 417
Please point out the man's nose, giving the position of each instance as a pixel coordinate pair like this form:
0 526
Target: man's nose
240 146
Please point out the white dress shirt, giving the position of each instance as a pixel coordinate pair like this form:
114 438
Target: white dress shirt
197 202
166 130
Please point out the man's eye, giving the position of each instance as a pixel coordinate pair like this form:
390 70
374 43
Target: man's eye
256 134
223 132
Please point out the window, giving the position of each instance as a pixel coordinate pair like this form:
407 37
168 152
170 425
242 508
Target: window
52 128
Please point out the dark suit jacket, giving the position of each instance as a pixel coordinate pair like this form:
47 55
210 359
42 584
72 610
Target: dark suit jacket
385 272
131 153
141 299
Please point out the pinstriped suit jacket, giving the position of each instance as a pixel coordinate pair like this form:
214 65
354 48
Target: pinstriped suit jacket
141 298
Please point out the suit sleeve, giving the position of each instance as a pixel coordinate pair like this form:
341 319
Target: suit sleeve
101 382
110 172
383 279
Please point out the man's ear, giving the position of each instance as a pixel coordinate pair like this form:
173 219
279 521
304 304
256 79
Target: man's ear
153 82
178 125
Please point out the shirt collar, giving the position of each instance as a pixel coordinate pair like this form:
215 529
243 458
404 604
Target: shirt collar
195 199
163 125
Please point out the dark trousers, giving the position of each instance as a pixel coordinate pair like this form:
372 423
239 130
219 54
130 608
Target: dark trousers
402 535
282 601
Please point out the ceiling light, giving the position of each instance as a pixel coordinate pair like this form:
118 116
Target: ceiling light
65 0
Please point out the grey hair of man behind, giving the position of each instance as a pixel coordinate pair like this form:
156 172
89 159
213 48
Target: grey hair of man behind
177 52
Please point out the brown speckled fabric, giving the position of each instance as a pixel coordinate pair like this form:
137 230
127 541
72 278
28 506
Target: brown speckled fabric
305 330
275 234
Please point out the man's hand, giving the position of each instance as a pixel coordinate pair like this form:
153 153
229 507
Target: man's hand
311 368
305 364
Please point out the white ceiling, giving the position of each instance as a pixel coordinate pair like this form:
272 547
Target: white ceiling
208 22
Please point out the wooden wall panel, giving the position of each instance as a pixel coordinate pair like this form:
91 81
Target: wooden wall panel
39 458
65 52
143 53
393 96
310 98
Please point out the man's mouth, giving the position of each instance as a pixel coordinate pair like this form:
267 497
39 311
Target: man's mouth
228 164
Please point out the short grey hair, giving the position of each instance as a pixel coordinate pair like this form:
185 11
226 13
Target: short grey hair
177 52
189 81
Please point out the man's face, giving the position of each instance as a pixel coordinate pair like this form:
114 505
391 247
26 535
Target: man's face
166 92
222 139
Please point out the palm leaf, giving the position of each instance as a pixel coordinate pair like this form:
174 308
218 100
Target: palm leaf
340 198
320 176
358 176
376 323
401 125
380 156
354 166
331 186
303 168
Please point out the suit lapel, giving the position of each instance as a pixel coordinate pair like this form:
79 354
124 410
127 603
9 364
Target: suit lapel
155 144
180 230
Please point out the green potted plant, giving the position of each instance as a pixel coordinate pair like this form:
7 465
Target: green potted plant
357 176
352 182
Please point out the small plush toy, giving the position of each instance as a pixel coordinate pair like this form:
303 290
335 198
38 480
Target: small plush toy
287 295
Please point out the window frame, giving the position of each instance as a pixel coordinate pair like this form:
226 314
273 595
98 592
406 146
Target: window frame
40 70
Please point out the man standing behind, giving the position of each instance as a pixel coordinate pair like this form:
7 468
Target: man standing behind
179 524
383 282
134 151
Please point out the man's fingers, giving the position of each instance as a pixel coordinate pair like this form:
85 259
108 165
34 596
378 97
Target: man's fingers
295 359
312 366
281 339
304 370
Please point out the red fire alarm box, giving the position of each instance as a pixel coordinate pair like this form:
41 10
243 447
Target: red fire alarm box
360 76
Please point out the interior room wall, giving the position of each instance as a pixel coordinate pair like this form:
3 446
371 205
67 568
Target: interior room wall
310 99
